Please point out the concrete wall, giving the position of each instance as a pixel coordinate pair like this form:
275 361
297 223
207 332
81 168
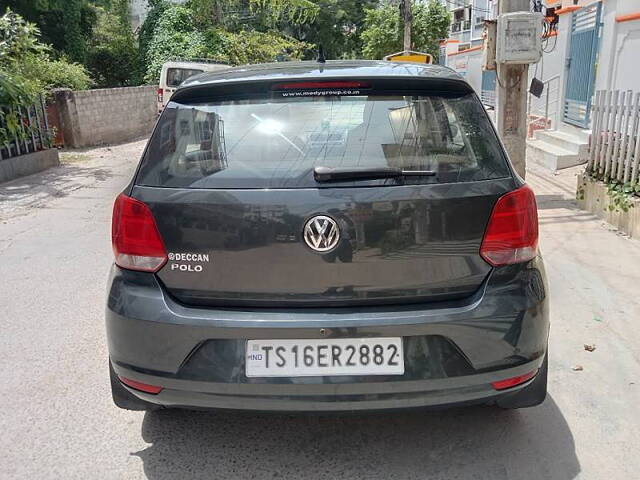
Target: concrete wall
105 116
27 164
593 197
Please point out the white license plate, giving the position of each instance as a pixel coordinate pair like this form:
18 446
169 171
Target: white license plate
344 356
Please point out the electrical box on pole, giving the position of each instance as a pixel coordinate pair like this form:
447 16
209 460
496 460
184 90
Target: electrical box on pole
519 38
518 43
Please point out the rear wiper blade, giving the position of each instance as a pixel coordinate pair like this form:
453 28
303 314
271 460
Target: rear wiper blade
328 174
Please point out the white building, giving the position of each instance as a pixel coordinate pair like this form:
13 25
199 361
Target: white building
589 45
468 20
462 51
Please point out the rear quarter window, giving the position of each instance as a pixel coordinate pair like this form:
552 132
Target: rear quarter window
277 142
175 76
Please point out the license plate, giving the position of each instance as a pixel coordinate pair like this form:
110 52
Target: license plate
344 356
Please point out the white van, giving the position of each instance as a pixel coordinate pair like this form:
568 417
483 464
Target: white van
175 72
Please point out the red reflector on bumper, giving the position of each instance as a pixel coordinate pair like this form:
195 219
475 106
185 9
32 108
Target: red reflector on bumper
513 381
143 387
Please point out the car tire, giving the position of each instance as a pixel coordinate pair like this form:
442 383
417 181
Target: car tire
531 395
124 399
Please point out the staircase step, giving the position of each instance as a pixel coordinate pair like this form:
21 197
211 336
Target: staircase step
562 139
551 156
565 141
580 133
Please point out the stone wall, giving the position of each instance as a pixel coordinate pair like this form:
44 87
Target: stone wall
105 116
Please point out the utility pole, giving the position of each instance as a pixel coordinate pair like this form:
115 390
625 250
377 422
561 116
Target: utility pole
511 102
407 17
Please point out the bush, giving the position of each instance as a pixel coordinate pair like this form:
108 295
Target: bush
48 74
15 92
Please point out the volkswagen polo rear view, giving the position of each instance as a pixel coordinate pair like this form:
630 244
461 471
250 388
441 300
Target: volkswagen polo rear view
326 237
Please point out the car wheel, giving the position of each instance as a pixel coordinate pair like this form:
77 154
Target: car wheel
125 399
530 396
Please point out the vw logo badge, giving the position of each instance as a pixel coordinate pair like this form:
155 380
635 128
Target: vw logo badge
321 233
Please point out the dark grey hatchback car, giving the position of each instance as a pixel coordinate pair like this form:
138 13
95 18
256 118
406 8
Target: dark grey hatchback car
326 237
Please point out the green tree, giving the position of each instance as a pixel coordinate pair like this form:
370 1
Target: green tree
337 27
148 28
172 31
26 62
113 57
383 29
247 47
66 25
26 71
237 15
174 35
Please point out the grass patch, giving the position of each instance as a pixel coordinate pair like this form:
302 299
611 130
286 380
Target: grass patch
68 157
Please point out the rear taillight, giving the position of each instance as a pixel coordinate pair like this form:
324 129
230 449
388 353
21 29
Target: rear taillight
160 95
512 232
136 241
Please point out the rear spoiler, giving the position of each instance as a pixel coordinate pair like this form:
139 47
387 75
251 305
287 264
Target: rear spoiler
228 89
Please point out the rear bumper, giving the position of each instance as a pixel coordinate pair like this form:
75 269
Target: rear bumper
453 352
393 395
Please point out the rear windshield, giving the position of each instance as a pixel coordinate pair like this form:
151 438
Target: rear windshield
175 76
277 142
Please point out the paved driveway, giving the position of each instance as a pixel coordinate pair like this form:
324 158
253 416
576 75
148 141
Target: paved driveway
57 420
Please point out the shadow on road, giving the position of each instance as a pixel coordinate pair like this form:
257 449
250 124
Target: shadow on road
478 443
548 201
55 182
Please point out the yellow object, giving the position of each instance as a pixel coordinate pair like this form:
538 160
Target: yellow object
410 56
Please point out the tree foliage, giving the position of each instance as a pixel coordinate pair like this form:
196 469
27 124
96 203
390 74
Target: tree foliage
66 25
173 31
383 29
338 27
261 15
113 57
27 66
97 34
26 71
247 47
173 35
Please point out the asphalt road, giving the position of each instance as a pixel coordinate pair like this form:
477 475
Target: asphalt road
57 420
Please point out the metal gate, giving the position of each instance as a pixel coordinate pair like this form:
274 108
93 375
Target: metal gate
581 65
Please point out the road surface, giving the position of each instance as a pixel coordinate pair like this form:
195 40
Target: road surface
57 419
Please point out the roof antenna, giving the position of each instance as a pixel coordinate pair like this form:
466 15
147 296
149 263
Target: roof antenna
321 58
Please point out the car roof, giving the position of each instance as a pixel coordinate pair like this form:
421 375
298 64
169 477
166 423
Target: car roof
331 69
